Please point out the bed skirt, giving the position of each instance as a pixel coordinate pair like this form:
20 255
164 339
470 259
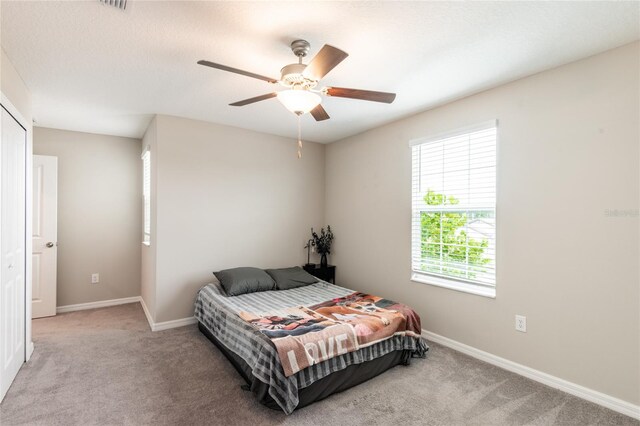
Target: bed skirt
333 383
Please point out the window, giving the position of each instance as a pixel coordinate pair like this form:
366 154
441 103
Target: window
454 210
146 193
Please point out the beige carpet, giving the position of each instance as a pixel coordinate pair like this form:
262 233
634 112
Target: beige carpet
105 366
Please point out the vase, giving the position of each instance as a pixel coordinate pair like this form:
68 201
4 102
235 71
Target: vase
323 260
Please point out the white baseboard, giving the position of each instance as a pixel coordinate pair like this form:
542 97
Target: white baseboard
147 313
615 404
94 305
30 348
165 325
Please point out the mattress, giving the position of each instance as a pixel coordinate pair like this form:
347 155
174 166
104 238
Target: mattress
218 313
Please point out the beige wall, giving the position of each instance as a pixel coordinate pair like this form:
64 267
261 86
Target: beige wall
568 150
148 258
228 197
99 213
14 88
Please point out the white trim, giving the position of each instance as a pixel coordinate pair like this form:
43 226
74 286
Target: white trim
462 286
165 325
456 132
94 305
147 313
615 404
147 148
30 349
4 100
154 326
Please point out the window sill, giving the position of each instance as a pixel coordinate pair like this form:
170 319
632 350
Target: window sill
146 244
454 285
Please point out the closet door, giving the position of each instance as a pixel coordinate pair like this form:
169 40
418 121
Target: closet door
12 245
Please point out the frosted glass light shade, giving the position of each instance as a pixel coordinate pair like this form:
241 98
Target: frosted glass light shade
299 101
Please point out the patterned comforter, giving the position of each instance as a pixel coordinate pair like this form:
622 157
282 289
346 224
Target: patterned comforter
307 335
220 314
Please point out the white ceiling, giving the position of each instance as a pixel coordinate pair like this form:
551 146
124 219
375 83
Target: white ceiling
97 69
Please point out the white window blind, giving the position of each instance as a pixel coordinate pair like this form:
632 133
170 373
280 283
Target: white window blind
146 193
454 207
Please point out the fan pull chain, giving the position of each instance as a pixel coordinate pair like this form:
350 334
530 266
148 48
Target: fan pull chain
299 139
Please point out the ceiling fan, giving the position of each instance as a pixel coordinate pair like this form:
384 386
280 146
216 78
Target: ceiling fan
301 81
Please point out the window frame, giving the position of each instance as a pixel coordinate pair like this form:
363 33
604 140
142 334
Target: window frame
452 283
146 198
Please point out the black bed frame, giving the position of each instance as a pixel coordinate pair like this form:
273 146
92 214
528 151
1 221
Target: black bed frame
333 383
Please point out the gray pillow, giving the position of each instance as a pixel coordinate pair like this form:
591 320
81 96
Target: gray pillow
238 281
287 278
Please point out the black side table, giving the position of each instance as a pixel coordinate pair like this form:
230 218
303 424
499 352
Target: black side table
327 274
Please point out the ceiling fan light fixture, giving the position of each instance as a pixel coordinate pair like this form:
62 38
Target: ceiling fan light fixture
299 101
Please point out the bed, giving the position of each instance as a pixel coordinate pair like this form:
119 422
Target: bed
256 358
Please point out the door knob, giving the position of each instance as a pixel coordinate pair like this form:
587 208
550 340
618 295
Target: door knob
49 244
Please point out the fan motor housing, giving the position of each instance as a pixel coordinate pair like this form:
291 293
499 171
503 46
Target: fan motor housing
291 76
300 48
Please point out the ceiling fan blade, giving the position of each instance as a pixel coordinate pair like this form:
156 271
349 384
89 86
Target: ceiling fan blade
237 71
365 95
326 60
256 99
319 113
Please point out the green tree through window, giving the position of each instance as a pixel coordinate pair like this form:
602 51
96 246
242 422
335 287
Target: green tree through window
446 247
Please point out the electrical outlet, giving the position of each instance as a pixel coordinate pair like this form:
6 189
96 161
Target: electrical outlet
95 278
521 323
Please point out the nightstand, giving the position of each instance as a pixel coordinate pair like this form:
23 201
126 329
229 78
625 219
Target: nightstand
327 274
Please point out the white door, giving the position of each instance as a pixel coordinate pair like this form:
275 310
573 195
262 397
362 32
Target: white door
45 235
12 258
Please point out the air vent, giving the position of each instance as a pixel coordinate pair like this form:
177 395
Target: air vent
120 4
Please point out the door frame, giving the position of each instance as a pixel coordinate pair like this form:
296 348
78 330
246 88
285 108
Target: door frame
28 126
